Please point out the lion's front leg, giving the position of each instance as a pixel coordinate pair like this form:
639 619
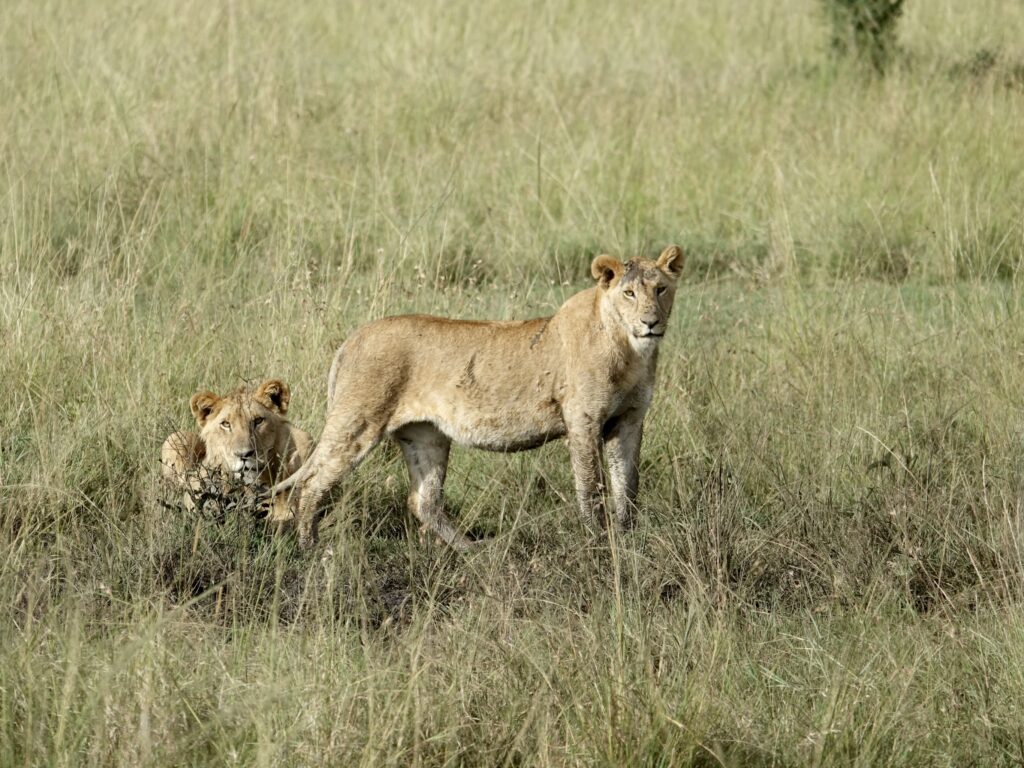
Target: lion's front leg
585 455
622 450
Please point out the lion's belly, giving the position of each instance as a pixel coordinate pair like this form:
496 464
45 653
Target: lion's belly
498 431
492 419
493 386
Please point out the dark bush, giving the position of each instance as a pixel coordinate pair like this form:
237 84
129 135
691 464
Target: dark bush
865 29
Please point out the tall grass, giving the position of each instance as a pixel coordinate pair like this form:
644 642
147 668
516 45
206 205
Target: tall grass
828 568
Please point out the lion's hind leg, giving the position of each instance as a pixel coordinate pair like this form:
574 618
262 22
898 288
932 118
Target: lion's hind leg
426 454
342 447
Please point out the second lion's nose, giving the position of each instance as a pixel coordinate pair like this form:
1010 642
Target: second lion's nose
248 453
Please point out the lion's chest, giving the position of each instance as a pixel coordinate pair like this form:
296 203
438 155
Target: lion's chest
621 384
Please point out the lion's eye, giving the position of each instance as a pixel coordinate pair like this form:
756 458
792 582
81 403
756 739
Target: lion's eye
661 289
226 425
257 421
629 294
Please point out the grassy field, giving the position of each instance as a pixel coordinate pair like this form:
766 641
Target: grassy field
830 564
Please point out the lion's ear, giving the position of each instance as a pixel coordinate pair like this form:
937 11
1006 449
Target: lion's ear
671 261
274 394
606 269
202 406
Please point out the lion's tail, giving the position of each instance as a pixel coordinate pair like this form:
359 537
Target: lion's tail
297 477
303 473
332 376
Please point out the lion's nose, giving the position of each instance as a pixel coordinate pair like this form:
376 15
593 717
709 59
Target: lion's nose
246 453
650 323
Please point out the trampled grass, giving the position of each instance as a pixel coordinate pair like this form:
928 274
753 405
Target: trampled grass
829 564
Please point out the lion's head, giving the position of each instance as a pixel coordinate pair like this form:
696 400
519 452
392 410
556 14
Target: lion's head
638 295
241 430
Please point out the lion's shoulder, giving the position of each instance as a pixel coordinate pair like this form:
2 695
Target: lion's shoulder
181 453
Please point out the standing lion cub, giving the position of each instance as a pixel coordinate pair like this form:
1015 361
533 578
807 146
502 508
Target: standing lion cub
244 437
586 373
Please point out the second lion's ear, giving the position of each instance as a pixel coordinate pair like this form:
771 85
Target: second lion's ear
274 394
671 261
202 405
606 269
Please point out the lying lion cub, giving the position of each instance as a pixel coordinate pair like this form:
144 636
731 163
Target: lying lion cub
243 436
586 373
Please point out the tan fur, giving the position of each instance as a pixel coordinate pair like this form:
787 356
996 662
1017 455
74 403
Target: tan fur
586 373
243 435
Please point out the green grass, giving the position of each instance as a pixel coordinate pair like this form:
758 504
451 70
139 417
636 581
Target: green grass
830 564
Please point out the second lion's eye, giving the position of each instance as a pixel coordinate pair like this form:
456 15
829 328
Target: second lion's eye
661 289
629 294
226 425
257 421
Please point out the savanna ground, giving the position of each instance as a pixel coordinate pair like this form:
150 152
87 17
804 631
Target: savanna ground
829 566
